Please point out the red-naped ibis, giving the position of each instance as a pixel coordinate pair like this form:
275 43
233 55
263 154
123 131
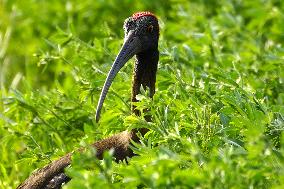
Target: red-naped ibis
141 40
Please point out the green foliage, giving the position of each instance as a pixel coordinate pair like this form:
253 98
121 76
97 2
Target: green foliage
218 111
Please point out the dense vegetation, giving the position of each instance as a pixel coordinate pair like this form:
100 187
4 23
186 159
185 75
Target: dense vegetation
218 111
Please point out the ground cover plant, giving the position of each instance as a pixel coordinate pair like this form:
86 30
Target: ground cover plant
218 113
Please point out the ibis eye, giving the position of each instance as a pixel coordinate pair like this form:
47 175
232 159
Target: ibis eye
150 28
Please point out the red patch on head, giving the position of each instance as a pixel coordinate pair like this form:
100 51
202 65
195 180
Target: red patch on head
141 14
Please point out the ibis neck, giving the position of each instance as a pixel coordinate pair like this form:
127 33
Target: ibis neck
144 75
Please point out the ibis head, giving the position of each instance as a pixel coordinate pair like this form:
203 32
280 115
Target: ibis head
141 34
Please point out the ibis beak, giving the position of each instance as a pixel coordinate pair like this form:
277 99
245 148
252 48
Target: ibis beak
131 46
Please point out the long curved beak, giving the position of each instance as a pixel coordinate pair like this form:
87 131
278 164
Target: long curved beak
131 46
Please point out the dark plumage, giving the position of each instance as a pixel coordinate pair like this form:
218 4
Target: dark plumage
141 39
